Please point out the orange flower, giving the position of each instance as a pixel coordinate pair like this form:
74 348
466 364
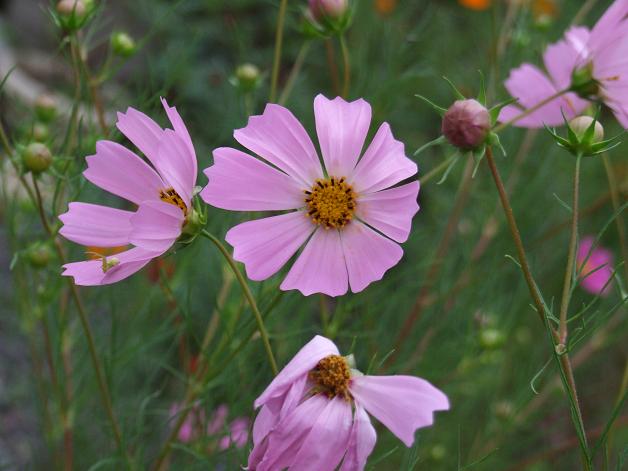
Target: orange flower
544 9
385 7
475 4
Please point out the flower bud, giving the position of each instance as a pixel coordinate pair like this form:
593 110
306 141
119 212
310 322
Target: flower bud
41 132
45 108
39 255
491 338
122 44
36 157
69 8
247 77
580 125
328 9
466 124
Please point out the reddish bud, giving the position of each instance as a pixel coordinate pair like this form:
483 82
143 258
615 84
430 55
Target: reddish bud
466 124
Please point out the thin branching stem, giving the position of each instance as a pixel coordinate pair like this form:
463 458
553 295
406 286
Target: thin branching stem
346 67
249 297
529 111
278 44
571 256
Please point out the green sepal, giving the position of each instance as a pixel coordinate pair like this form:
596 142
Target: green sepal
450 167
440 110
456 91
495 110
493 140
435 142
477 154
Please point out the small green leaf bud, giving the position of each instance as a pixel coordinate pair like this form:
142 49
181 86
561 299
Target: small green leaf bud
39 255
247 77
36 157
491 338
45 108
41 132
122 44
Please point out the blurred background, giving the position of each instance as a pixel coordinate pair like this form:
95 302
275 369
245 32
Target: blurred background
474 334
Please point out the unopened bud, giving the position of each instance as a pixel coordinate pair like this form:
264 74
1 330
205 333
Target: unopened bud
122 44
45 108
69 8
580 125
328 9
39 255
466 124
491 338
41 132
438 452
36 157
247 76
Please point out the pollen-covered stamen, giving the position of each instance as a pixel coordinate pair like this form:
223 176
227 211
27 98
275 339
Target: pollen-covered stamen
331 377
331 202
169 195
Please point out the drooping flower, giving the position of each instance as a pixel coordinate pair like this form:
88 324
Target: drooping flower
314 413
162 192
596 271
592 63
348 215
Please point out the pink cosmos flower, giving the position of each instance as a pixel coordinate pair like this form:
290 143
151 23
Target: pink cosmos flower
530 85
162 192
314 413
597 270
598 55
192 429
347 213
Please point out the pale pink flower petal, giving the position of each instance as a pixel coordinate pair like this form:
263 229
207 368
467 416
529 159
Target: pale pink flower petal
156 225
95 225
342 128
119 171
321 266
383 165
241 182
390 211
318 452
306 359
277 408
608 25
179 127
284 442
402 403
142 131
361 443
176 165
597 271
265 245
561 58
278 137
238 434
219 417
531 86
368 255
90 273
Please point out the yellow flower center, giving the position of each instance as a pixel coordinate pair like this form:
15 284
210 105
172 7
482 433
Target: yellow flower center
332 375
331 202
169 195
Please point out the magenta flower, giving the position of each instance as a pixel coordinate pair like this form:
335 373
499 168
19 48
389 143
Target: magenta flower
593 63
162 192
314 413
596 271
346 214
530 85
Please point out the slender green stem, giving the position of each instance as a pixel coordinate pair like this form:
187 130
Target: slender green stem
436 170
294 73
529 111
564 362
346 64
583 12
571 257
278 43
249 297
